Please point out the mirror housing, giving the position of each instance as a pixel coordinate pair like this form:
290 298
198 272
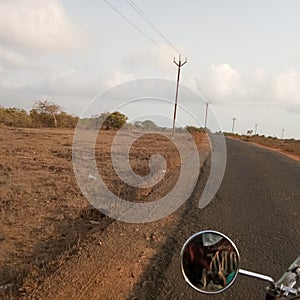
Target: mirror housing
209 262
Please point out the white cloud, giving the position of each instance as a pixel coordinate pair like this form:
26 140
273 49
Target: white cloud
6 84
150 60
116 77
30 32
287 87
225 79
224 84
11 59
69 82
69 88
37 25
145 62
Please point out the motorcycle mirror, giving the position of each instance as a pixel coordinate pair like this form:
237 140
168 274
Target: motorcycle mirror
209 262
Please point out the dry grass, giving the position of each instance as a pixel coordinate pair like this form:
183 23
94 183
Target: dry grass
43 215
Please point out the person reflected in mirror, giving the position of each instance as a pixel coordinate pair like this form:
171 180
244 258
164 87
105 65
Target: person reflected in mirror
210 262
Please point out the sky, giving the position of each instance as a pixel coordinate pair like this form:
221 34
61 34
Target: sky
242 56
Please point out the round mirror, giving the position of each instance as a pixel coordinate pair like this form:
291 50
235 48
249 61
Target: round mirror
209 262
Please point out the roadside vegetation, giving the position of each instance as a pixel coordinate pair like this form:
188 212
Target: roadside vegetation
289 146
43 114
47 114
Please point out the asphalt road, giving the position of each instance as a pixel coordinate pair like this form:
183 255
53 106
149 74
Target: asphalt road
257 206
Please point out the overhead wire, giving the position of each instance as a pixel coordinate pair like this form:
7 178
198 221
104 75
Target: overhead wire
147 20
135 26
196 83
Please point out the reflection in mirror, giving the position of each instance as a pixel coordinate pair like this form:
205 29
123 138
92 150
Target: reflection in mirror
209 262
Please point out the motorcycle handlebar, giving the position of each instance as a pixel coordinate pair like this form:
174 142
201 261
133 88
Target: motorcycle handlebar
210 265
285 286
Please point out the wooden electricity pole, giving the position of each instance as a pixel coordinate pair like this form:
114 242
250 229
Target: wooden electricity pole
206 111
233 121
179 65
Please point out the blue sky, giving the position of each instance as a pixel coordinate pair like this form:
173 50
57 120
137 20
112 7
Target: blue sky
243 56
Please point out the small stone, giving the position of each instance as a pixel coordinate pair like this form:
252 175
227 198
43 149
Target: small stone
94 222
60 217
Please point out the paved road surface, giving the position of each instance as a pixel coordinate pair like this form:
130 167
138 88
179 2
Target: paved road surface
257 206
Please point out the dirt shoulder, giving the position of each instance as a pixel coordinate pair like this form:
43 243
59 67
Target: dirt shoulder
290 148
53 244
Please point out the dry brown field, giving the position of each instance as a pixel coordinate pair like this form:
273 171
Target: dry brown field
48 228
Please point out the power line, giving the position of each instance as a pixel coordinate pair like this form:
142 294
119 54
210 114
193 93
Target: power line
135 26
147 20
197 85
207 102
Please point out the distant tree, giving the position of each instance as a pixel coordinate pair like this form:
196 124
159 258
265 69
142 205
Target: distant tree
113 120
66 121
249 132
42 115
193 129
138 124
43 111
150 125
147 125
14 117
129 126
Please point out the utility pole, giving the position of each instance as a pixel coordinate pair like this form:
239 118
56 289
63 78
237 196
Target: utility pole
179 65
233 122
255 132
282 132
206 111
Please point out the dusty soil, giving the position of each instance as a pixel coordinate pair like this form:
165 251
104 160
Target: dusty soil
53 245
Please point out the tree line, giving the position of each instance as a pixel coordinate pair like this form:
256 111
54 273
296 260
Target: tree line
42 114
49 114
